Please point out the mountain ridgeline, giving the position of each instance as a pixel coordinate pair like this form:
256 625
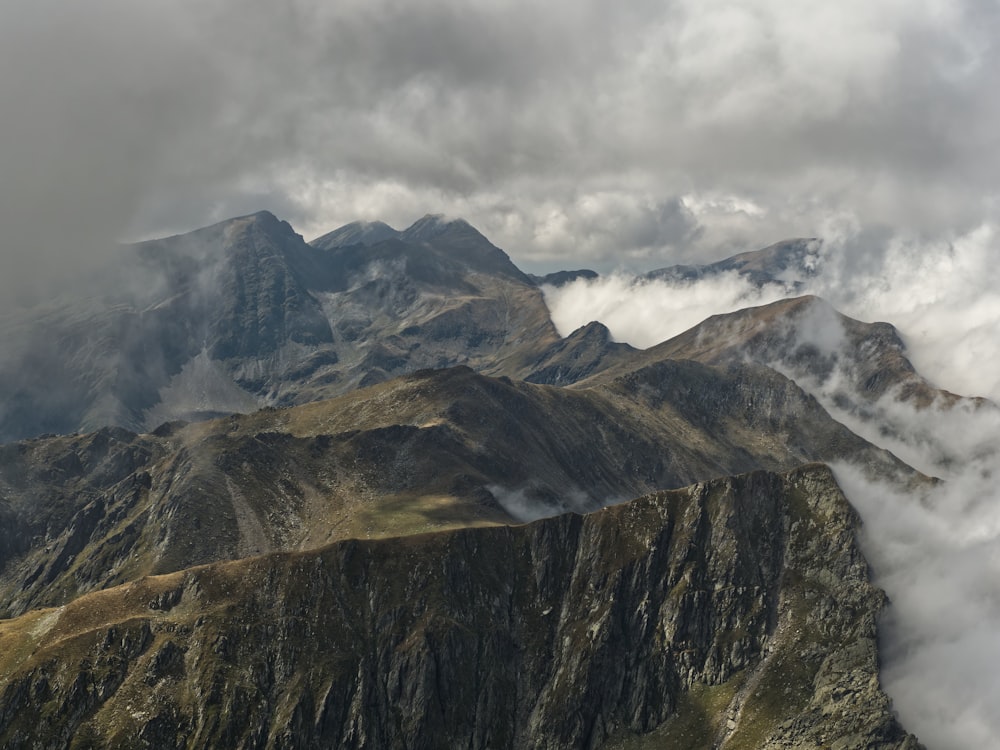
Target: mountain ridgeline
262 493
246 314
736 613
430 451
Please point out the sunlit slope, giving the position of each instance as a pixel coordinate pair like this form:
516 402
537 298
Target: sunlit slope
806 338
433 450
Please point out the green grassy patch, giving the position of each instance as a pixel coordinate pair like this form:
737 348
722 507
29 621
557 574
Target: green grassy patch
696 723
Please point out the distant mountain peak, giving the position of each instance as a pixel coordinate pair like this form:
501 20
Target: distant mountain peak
356 233
799 254
561 278
787 262
264 221
434 225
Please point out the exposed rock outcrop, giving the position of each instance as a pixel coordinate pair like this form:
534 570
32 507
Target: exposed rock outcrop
746 594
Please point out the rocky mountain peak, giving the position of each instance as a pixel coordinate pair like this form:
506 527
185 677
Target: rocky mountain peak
261 224
787 262
594 330
356 233
561 278
434 225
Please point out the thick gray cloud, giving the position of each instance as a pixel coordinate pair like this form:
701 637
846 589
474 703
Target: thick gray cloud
571 133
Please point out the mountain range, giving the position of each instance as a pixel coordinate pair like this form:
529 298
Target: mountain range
359 492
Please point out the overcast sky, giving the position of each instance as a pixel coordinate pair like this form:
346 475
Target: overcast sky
571 133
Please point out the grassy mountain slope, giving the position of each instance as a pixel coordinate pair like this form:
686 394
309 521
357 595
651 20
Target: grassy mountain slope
432 450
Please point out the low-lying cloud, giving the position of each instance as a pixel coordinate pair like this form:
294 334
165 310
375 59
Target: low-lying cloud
530 503
943 297
938 558
936 552
645 312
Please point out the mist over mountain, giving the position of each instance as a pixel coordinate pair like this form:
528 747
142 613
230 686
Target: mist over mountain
245 314
934 558
238 396
259 396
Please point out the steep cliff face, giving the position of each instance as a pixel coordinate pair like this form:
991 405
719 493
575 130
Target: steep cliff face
735 613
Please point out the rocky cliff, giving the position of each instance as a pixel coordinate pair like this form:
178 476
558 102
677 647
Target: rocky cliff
735 613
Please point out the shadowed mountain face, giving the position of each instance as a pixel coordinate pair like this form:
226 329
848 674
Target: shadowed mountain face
746 595
245 314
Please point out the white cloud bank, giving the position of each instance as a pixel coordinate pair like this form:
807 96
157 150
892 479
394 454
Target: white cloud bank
644 312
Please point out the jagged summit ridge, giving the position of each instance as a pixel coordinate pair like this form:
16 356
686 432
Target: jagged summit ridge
370 233
267 319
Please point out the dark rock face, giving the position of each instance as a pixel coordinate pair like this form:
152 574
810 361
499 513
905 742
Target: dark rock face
569 632
245 314
263 297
